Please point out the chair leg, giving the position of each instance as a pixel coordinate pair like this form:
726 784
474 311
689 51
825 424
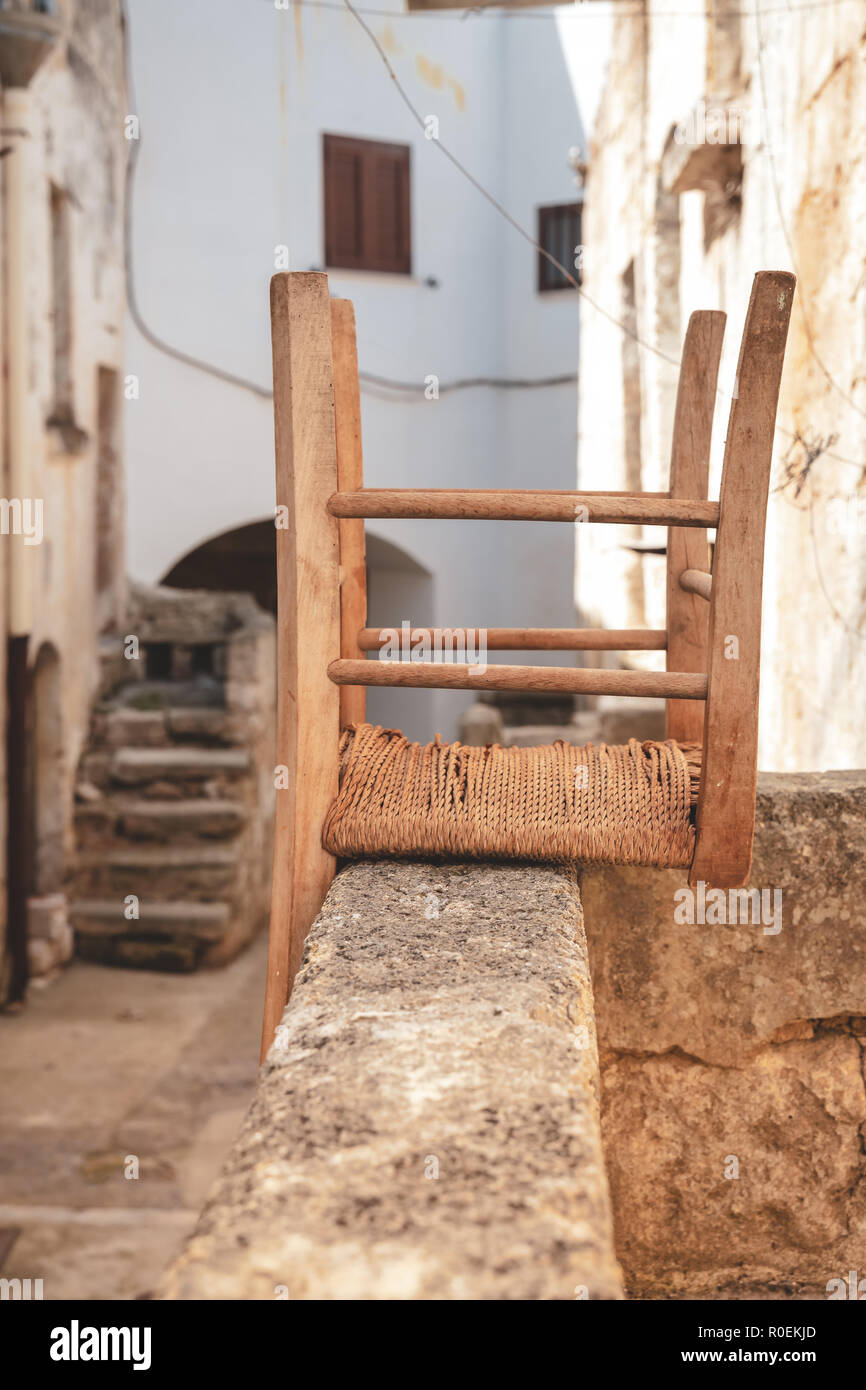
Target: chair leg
308 622
726 803
350 477
687 546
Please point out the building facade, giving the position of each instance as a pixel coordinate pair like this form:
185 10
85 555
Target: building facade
61 548
728 143
265 159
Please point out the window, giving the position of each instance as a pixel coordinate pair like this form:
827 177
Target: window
367 224
109 523
559 234
61 286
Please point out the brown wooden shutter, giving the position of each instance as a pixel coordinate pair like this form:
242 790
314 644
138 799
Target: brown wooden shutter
367 211
343 176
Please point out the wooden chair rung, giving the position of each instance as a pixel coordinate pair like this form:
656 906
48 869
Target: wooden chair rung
582 680
536 639
633 509
697 582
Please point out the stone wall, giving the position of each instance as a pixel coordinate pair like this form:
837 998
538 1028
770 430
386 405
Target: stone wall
732 1056
63 99
723 146
175 791
443 1022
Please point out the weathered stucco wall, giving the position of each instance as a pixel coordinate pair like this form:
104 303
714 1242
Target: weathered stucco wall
77 148
723 148
507 99
61 396
426 1122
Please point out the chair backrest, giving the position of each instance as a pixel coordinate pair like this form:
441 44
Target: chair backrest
713 626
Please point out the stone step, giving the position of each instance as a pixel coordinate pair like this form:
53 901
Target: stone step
117 728
123 727
156 953
615 721
183 822
181 872
583 729
202 725
622 719
169 771
135 766
179 921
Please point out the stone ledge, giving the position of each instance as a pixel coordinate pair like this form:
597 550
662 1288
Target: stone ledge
442 1022
720 993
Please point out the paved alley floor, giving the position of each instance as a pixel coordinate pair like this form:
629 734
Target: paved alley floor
107 1073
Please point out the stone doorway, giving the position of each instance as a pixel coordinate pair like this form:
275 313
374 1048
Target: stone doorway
46 773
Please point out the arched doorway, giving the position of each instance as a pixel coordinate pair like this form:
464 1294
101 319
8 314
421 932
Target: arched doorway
46 774
243 560
36 789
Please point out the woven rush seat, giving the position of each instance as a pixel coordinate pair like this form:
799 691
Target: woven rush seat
628 804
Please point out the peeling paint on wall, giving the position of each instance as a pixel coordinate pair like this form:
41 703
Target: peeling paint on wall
435 76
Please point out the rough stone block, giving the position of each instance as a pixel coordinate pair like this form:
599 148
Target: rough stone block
170 956
742 1179
621 719
46 917
720 992
724 1042
480 725
43 957
130 727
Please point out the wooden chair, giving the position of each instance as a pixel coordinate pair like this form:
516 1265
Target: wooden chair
713 629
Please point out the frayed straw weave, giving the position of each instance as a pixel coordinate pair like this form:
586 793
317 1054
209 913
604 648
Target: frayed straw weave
628 804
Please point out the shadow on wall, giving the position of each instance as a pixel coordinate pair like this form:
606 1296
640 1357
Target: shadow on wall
243 560
399 588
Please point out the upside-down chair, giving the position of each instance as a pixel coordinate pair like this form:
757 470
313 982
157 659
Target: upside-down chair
354 790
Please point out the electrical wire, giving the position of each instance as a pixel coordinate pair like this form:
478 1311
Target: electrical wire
376 384
588 9
372 382
623 327
494 202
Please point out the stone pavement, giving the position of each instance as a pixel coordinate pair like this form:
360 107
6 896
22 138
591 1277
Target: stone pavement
102 1066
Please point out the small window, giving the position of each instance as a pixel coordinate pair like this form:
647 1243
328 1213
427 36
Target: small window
109 521
367 217
202 659
158 660
559 234
61 288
